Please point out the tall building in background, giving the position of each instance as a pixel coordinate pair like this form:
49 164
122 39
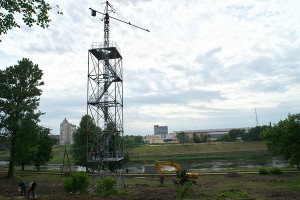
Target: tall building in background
160 130
66 132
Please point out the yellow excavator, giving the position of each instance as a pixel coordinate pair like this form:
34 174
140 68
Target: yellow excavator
182 175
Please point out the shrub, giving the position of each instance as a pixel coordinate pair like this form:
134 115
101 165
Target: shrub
122 192
235 194
77 182
183 192
275 171
263 171
107 186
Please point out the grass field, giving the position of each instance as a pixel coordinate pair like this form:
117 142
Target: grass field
165 149
171 149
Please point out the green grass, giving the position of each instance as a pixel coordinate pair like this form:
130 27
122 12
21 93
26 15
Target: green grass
292 184
58 154
171 149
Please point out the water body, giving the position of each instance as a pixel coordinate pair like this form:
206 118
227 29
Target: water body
223 164
239 163
215 165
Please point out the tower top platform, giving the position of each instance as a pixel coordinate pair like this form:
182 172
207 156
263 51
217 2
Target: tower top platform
100 52
97 45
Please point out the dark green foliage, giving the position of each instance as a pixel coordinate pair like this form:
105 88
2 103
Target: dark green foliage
87 127
26 144
254 133
235 133
131 141
20 92
284 139
79 148
107 186
224 138
196 138
44 149
183 192
275 170
77 182
32 12
263 171
235 194
183 138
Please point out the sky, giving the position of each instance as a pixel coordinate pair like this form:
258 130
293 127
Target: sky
205 64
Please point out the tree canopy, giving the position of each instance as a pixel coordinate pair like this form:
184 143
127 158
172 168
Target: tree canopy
26 144
284 138
79 148
44 147
254 133
31 11
183 138
19 101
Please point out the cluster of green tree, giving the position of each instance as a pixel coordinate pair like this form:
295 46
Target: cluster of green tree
284 139
253 134
184 138
19 91
87 134
132 140
19 115
32 13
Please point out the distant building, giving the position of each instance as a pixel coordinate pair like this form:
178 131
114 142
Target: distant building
160 130
213 134
56 138
153 139
66 132
158 139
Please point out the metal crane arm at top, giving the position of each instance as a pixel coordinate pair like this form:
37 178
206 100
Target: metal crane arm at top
93 12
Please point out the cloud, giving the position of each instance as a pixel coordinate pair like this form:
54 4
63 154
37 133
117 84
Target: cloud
203 65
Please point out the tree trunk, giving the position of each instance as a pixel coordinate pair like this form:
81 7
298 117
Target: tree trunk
23 166
11 168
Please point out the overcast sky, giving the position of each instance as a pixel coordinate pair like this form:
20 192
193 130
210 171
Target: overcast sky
205 63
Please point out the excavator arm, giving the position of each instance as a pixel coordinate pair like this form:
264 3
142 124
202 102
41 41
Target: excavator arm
181 174
168 164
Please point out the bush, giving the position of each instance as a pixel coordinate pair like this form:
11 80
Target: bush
77 182
263 171
107 186
122 192
184 191
275 171
235 194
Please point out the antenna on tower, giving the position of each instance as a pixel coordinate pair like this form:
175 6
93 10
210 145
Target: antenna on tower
108 9
256 117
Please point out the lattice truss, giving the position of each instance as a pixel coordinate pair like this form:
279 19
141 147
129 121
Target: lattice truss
105 102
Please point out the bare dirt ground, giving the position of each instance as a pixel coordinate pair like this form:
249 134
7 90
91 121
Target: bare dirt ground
246 186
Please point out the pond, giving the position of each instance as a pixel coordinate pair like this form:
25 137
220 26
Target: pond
223 164
217 164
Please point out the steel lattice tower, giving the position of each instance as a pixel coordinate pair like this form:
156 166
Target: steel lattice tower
105 101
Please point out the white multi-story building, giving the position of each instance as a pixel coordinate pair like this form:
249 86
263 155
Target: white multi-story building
66 132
